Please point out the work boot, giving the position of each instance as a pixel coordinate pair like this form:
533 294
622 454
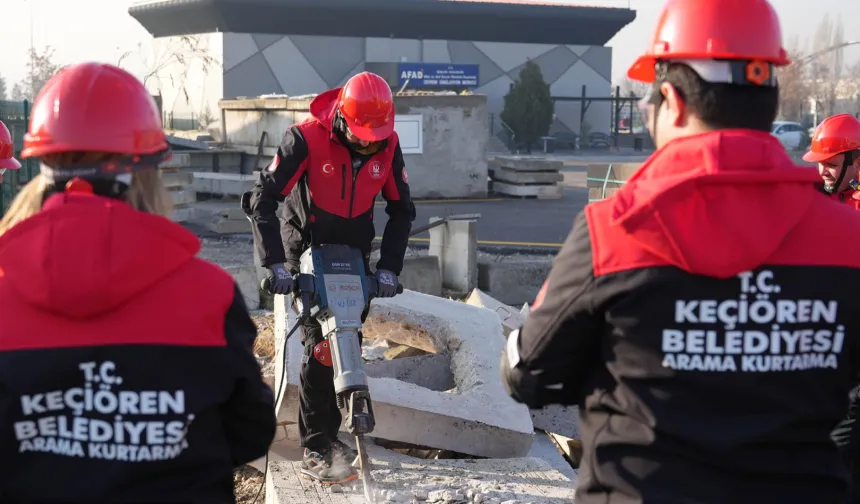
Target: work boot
318 466
342 450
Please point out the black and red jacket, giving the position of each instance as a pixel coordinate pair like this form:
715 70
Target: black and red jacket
329 192
707 329
127 371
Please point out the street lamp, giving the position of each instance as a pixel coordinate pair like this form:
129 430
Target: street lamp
807 59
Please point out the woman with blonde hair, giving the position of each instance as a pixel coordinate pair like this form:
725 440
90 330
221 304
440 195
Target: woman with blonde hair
126 365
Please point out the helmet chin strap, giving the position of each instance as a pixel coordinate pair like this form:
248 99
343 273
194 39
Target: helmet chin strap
846 162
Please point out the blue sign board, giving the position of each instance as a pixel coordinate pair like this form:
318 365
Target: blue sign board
438 75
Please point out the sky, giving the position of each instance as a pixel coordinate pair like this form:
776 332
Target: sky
102 30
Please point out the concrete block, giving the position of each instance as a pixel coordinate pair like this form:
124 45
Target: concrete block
432 372
513 282
182 214
228 184
477 418
554 418
547 191
523 163
176 179
422 274
510 317
178 160
519 177
557 419
455 243
246 278
184 196
600 193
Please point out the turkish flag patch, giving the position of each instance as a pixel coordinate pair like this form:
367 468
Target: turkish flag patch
405 177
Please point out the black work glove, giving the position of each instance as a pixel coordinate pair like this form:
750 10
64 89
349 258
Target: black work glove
280 279
386 283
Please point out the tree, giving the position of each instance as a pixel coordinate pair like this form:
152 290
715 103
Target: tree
40 68
826 70
18 93
794 86
3 90
173 61
636 89
206 117
528 106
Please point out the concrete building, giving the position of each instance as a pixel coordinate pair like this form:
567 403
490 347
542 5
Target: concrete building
298 47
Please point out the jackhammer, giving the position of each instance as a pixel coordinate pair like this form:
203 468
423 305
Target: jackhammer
333 287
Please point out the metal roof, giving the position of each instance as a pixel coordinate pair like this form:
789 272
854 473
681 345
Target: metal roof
483 20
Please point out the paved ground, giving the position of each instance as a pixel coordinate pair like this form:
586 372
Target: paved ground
509 223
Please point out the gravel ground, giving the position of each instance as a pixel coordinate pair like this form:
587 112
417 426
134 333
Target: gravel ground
246 484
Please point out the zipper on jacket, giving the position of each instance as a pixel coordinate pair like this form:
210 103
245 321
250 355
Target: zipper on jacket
343 182
352 192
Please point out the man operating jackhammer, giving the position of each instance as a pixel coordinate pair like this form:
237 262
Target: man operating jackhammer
708 341
836 149
328 171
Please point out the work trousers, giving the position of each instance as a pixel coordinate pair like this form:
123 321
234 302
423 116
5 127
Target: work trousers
319 417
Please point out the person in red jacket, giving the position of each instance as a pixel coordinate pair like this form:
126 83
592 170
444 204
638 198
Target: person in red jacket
693 317
7 151
328 172
836 149
126 363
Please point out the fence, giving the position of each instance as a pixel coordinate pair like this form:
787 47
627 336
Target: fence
16 115
187 123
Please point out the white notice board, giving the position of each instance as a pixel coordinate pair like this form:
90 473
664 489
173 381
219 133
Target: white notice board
410 130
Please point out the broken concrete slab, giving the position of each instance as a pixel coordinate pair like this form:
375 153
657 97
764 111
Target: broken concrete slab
510 318
403 351
544 448
553 418
478 418
246 279
403 479
429 371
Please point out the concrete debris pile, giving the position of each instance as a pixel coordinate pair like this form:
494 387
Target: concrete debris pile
526 177
446 430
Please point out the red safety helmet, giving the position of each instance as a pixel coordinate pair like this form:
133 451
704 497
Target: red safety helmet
94 107
7 150
835 135
745 30
366 103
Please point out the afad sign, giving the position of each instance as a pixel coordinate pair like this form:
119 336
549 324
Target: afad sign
438 75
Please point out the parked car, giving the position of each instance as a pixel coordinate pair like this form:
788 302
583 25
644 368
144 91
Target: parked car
792 135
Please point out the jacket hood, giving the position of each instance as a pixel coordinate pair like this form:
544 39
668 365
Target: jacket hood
85 255
715 204
322 107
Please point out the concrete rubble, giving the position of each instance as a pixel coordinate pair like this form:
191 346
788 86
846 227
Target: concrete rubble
558 419
433 368
539 478
477 417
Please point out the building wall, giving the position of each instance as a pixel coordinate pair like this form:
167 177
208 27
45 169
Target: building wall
259 64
